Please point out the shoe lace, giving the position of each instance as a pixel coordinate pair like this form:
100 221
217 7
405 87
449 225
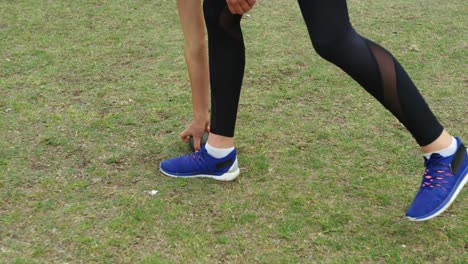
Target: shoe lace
198 156
436 173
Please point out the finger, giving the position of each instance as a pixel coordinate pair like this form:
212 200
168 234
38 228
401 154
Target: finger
245 6
239 10
251 2
235 7
231 7
185 136
196 143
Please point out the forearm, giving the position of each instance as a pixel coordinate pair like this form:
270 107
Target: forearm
197 64
196 56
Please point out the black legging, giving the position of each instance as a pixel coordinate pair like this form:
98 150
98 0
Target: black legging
335 40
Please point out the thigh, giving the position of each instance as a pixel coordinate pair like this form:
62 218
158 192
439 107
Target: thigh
325 17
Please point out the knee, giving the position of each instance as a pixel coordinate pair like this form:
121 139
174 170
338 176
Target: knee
325 49
218 17
333 46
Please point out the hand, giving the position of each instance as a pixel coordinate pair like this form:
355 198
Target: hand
196 130
240 6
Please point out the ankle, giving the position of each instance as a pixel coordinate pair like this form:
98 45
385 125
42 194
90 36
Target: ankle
445 152
221 142
442 142
218 153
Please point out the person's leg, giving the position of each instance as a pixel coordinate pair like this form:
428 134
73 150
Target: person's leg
227 62
377 71
370 65
217 159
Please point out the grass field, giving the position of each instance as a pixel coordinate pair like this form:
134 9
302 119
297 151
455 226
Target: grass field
95 93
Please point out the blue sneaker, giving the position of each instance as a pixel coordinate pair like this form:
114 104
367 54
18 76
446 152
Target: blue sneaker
202 164
442 182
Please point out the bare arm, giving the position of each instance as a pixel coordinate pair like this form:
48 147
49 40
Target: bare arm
196 56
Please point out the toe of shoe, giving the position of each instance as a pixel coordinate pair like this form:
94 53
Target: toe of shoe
423 208
166 166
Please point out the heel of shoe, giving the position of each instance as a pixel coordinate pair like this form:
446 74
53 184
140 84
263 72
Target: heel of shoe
231 174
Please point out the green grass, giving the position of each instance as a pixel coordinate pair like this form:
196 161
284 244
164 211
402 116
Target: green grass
94 94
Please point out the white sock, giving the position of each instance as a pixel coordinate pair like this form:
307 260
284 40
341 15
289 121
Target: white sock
218 152
444 152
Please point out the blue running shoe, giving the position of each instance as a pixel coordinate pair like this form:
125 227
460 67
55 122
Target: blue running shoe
202 164
442 181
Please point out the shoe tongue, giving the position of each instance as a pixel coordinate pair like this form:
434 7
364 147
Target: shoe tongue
435 158
202 148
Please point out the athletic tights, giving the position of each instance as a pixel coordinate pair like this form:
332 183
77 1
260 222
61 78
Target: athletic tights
335 40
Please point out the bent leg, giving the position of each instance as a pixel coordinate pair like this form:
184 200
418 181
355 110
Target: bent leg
373 67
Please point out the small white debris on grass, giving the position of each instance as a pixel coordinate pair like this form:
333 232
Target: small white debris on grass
153 192
403 246
414 47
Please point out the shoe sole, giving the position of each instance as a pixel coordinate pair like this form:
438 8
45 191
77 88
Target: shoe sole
230 175
447 205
